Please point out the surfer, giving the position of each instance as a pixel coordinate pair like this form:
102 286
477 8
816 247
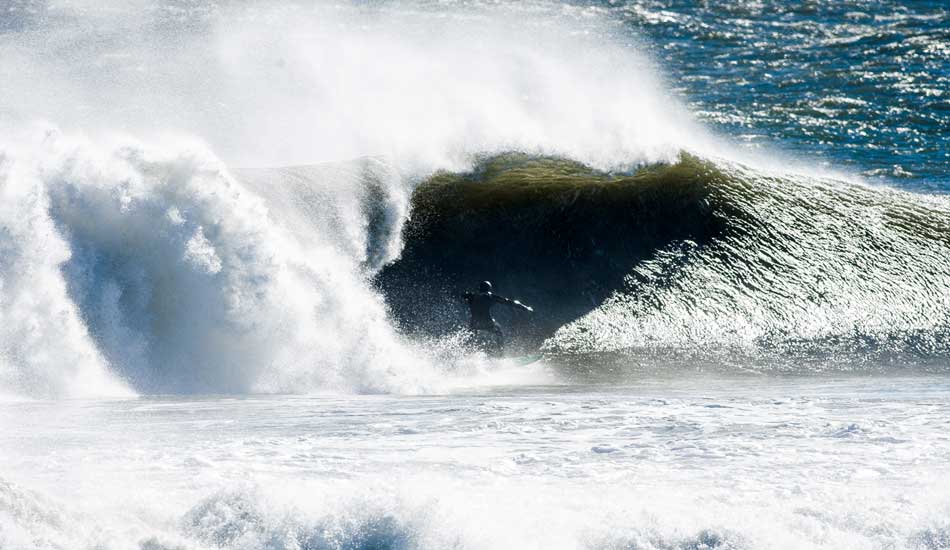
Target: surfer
480 304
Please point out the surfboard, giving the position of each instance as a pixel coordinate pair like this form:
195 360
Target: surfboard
525 360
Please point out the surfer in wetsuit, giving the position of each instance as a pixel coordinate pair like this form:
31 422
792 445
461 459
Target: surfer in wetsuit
480 304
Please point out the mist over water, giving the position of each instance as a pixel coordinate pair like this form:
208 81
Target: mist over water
284 84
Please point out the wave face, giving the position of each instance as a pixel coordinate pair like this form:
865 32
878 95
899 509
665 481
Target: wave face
804 265
555 233
693 256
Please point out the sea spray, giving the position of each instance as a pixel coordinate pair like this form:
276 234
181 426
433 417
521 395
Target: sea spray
360 204
179 266
283 84
172 275
45 347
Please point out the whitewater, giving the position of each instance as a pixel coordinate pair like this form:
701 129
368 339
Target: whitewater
233 237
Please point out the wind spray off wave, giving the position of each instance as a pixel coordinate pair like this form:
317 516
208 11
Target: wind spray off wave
283 84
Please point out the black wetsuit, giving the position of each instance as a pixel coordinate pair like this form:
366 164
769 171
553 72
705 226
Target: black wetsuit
480 305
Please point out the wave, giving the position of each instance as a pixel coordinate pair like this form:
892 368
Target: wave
694 255
150 264
129 266
252 516
45 348
140 269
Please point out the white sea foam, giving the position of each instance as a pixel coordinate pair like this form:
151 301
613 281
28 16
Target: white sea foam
45 348
157 265
857 463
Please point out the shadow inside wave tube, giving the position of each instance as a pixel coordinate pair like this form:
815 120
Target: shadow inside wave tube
553 233
697 256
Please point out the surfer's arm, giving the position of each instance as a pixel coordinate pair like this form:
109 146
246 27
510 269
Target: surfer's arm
512 303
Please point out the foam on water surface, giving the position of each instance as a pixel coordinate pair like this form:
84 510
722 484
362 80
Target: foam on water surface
726 463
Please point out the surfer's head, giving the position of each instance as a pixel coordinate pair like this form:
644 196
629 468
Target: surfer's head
484 286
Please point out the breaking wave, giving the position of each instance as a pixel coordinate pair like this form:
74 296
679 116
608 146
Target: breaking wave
158 263
144 253
696 256
158 270
802 264
253 518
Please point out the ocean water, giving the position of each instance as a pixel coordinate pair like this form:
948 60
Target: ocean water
677 463
853 84
233 236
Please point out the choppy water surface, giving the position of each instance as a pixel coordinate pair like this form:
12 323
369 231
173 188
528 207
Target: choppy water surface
694 462
856 83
